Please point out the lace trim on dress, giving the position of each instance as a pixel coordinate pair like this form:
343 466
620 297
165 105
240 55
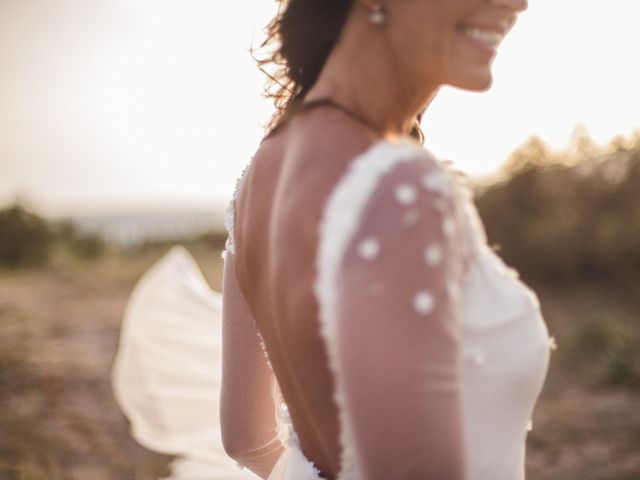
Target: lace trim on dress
229 216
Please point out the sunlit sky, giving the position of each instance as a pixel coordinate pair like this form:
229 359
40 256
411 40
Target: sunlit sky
116 104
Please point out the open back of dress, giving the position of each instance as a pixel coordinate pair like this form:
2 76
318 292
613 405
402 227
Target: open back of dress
439 351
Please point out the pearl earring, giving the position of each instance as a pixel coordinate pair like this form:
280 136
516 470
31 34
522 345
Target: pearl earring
378 15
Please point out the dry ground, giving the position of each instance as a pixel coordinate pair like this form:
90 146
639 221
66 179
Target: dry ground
58 337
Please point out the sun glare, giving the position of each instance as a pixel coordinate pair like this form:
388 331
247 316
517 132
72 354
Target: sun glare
159 100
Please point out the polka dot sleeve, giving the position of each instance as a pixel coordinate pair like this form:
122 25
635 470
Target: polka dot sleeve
396 328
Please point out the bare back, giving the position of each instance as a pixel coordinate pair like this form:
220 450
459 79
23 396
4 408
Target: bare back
278 211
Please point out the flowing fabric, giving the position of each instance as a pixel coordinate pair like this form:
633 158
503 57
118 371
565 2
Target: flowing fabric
166 378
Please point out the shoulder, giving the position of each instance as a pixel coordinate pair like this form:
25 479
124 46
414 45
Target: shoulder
399 174
314 159
321 147
386 162
396 191
396 204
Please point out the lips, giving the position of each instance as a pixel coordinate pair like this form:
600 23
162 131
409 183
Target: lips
484 35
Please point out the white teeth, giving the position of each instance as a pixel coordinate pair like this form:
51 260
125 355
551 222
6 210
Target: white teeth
487 36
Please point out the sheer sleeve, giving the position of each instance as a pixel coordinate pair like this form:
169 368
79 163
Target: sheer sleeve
247 409
393 326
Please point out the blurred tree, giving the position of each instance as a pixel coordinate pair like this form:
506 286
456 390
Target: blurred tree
619 143
581 145
25 238
570 220
533 152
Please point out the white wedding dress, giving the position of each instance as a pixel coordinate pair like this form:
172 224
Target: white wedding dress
480 345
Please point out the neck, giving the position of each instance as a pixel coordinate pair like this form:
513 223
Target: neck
364 75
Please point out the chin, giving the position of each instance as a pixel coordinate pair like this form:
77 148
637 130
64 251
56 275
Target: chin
479 82
482 86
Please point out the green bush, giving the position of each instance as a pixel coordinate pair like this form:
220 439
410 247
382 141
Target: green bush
25 238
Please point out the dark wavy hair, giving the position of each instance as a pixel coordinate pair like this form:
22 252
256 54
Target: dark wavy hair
301 36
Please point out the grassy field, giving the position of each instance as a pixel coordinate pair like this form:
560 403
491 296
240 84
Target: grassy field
59 330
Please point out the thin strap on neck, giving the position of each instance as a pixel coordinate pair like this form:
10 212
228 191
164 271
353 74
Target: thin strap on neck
416 130
327 102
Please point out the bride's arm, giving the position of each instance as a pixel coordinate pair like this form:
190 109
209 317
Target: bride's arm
247 411
396 329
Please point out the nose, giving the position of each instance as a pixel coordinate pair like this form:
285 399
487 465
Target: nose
514 5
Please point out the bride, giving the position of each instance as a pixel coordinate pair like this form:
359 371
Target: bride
368 330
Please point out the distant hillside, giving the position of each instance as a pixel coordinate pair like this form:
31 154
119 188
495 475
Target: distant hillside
127 230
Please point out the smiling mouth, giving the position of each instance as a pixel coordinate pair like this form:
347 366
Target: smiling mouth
489 38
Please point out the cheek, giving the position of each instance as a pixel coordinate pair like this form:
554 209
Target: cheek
428 34
426 37
434 26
